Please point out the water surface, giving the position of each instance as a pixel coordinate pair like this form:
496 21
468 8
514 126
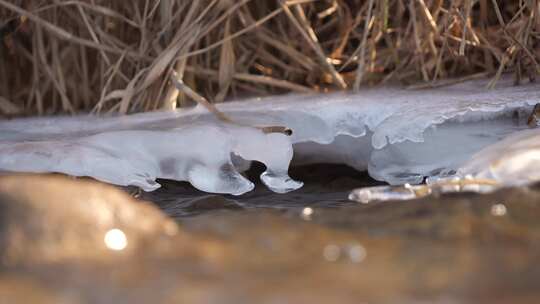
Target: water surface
325 186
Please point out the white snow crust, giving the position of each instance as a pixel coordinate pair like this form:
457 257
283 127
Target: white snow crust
399 136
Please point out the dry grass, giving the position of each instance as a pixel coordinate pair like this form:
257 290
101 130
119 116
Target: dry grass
101 56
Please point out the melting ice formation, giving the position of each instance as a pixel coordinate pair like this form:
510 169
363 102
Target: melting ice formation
399 136
514 161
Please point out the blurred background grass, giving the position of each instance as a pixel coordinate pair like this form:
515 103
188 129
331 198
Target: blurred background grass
108 56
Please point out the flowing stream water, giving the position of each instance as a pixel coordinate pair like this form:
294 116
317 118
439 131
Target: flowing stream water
325 186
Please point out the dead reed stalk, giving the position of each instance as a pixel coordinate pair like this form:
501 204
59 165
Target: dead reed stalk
105 56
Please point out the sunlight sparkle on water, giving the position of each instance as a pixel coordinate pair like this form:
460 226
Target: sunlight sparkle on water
115 239
307 213
498 210
357 253
331 253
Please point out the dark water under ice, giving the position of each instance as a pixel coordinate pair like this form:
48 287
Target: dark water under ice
325 186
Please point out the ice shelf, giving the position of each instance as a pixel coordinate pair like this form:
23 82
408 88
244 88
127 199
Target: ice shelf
399 136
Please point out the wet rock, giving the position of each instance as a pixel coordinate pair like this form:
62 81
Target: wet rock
53 218
450 249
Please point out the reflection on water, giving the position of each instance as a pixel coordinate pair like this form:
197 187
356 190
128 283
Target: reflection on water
326 186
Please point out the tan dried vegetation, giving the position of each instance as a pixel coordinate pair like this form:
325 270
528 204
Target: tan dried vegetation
108 56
